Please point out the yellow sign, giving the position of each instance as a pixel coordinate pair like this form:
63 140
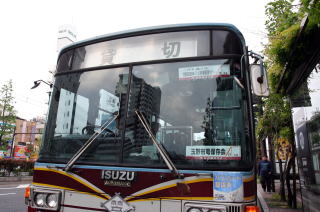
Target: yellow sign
284 150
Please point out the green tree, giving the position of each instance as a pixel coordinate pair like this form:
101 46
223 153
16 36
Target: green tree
276 123
283 20
276 115
280 16
7 115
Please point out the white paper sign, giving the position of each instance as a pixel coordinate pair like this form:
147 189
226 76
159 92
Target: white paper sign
213 152
204 72
227 186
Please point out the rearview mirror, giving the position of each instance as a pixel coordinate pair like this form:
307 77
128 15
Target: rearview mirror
259 80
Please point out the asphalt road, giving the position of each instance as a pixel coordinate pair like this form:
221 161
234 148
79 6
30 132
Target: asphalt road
12 196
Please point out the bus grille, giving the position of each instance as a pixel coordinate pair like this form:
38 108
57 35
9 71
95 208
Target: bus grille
234 208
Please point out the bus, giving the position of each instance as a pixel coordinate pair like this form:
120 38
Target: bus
155 119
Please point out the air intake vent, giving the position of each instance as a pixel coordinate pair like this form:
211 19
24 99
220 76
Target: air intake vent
234 208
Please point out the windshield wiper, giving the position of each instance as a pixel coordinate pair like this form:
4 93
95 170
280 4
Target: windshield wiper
88 143
238 82
158 145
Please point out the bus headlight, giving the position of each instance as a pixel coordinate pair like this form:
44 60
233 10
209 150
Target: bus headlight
46 199
194 210
205 207
39 199
52 200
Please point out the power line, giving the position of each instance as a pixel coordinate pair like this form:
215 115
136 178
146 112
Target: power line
28 98
30 103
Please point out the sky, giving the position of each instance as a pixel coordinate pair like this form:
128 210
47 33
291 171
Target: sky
29 29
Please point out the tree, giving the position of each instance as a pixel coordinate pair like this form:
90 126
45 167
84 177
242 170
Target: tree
7 115
280 16
273 124
282 24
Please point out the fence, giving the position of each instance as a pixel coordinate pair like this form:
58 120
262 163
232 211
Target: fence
13 167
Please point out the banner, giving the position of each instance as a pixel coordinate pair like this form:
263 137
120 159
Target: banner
20 151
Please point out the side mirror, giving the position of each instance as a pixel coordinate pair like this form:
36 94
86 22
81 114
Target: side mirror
259 80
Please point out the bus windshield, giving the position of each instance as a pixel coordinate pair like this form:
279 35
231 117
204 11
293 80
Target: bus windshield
197 110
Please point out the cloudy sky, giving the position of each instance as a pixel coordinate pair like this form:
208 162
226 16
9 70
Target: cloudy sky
28 36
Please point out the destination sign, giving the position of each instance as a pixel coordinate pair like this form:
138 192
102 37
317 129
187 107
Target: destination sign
145 48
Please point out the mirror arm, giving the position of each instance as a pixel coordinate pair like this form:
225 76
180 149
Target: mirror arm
259 58
260 79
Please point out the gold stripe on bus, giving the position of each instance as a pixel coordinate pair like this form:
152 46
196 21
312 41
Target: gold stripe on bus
249 198
76 179
198 180
251 178
153 190
65 188
169 186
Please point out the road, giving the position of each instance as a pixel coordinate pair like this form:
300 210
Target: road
12 196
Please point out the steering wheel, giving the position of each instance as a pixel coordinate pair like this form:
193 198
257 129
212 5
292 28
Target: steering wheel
89 130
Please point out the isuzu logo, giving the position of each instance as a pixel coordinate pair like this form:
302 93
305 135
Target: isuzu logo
118 178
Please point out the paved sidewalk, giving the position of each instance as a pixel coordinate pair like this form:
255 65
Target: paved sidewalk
268 206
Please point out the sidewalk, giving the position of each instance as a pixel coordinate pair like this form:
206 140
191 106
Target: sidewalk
270 203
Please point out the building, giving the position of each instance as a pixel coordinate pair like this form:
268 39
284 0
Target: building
27 133
66 35
23 132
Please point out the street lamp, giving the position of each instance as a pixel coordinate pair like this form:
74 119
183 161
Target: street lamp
37 83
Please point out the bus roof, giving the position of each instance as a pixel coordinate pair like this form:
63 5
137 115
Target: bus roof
153 30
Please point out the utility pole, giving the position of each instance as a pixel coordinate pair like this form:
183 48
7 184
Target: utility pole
12 145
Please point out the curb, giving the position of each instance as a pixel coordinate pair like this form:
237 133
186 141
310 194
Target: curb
15 179
263 205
